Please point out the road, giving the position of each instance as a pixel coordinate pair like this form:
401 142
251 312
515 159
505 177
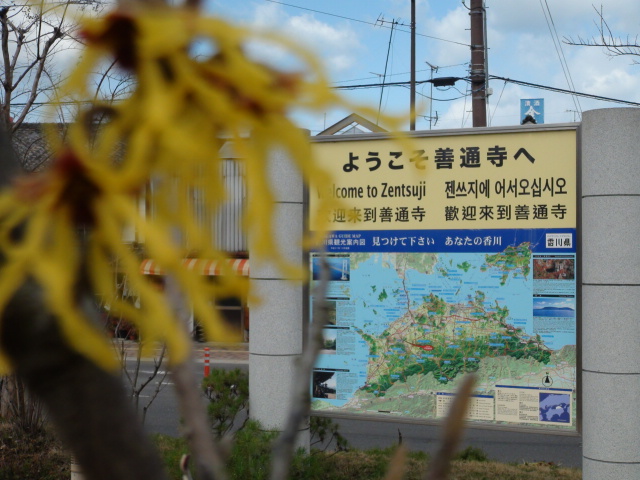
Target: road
499 444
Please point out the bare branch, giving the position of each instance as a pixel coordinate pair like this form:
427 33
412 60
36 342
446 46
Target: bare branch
157 363
19 43
30 38
82 399
159 385
283 448
57 34
8 71
209 459
208 456
615 46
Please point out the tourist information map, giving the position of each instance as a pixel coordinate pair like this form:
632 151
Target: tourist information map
456 256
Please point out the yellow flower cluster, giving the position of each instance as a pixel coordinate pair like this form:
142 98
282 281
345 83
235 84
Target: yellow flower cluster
169 132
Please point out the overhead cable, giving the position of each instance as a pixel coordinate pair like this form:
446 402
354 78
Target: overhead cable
367 23
559 51
505 79
562 90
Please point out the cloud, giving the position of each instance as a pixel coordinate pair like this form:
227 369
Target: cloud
595 73
455 114
570 17
521 47
337 44
454 26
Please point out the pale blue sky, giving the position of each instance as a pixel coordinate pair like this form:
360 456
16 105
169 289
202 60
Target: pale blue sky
354 51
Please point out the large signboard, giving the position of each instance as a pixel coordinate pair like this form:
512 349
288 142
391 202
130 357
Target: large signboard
458 255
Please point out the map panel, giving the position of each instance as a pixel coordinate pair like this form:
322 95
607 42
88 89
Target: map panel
406 326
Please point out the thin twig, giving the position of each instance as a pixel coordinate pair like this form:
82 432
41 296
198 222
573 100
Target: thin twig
208 456
159 385
209 459
452 431
284 446
397 465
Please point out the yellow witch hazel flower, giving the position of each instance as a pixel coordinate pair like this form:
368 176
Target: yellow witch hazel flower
169 132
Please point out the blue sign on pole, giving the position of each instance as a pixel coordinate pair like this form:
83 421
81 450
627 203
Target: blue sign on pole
533 108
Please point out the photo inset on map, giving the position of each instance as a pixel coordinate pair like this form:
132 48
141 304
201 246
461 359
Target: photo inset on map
329 341
330 310
324 384
554 268
338 265
554 307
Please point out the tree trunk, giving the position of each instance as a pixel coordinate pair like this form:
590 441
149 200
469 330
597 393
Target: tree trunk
87 405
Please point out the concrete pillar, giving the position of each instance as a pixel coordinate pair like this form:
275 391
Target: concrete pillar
276 332
610 146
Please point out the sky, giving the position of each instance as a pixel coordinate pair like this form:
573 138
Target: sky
357 45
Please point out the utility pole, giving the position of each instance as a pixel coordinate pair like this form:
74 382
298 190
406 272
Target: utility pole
412 98
478 64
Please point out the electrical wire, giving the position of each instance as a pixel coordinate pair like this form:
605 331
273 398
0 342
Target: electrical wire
375 85
562 90
558 46
573 86
398 74
367 23
497 103
464 109
464 95
372 78
509 80
420 82
384 76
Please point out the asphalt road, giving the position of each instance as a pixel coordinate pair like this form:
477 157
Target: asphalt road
499 444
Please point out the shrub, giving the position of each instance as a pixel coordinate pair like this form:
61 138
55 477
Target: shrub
324 432
31 455
228 394
472 454
251 453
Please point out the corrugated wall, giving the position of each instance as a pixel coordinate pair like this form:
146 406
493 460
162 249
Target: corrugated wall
226 223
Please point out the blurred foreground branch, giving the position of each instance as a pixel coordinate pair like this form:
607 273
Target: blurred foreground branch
87 405
284 446
452 431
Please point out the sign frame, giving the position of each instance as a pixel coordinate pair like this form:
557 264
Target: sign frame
470 134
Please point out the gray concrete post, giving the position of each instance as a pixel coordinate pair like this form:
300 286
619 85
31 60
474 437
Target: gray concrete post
276 332
610 146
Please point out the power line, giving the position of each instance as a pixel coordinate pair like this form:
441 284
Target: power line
463 95
562 90
398 74
559 51
377 76
386 64
505 79
419 82
375 85
365 22
497 103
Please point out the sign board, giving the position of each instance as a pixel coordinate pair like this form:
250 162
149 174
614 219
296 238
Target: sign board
456 256
533 107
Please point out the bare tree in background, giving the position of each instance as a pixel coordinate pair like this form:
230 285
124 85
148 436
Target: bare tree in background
614 45
38 42
31 39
